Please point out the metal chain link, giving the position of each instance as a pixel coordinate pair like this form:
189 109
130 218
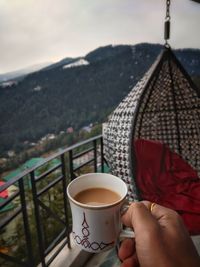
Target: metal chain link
168 2
167 23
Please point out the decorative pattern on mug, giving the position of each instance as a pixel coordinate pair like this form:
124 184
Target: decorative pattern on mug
84 239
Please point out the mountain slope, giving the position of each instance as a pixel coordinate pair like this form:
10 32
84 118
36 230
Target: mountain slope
19 74
63 96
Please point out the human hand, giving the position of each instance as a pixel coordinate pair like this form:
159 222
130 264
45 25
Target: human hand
161 239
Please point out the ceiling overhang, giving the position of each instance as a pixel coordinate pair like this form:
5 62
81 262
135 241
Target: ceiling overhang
197 1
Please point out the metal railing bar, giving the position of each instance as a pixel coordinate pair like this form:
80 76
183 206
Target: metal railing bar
54 182
40 235
54 215
38 178
102 156
12 259
95 155
8 219
82 165
9 199
26 223
55 242
56 253
83 153
28 171
71 170
65 198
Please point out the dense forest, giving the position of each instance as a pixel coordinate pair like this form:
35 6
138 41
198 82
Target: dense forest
62 95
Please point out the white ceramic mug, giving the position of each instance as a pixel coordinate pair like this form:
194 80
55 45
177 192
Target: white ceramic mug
97 228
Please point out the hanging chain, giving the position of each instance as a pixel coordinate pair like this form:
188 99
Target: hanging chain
167 9
167 23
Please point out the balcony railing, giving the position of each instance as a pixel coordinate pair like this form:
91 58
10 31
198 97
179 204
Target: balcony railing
38 224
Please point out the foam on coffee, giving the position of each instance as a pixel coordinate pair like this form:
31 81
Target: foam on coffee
97 196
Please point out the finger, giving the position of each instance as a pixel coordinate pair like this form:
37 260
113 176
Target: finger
127 249
140 218
164 215
158 211
131 262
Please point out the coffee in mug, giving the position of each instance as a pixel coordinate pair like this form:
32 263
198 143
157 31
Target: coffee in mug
97 196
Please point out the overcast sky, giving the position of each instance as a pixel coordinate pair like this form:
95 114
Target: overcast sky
37 31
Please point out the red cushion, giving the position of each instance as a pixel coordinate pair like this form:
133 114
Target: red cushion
165 178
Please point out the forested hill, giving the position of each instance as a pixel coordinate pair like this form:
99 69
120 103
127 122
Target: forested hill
76 92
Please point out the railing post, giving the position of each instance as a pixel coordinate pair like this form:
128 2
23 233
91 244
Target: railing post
26 223
38 220
95 155
64 181
102 156
72 176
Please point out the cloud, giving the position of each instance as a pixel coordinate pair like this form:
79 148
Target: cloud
39 31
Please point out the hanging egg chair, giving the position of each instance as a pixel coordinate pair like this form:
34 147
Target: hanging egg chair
152 139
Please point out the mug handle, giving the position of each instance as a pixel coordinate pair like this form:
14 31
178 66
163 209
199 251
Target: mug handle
126 232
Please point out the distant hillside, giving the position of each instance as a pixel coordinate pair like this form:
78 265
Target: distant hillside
19 74
76 92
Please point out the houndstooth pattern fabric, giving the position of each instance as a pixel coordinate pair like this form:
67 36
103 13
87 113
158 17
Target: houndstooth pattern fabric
163 106
117 137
